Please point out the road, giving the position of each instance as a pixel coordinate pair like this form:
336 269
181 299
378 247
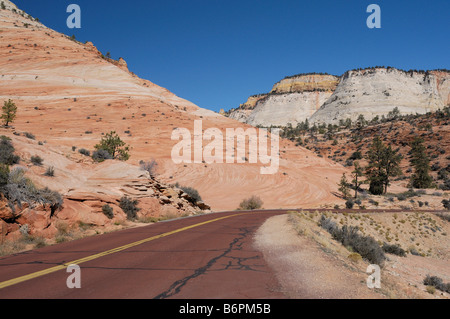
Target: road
203 257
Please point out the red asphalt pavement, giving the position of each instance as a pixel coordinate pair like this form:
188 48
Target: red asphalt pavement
210 261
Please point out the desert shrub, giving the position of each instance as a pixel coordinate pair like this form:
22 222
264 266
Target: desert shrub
444 216
150 167
192 192
36 160
349 203
328 224
49 197
50 171
129 207
348 236
7 152
4 174
251 203
21 189
394 249
355 257
446 185
446 204
30 135
430 289
356 156
84 152
108 211
101 155
437 283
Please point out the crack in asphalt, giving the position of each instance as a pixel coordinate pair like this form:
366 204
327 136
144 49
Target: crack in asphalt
235 245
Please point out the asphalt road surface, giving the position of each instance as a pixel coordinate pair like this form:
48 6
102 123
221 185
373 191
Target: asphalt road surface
205 257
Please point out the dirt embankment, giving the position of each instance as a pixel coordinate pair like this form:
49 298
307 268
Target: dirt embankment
310 264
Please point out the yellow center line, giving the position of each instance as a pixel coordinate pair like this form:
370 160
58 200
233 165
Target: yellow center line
47 271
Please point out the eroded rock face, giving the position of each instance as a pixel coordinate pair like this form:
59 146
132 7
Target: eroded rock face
284 108
376 92
291 100
306 83
327 99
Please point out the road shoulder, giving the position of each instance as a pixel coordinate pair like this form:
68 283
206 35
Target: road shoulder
304 269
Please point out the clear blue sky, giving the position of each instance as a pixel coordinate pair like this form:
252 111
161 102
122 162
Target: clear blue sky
216 53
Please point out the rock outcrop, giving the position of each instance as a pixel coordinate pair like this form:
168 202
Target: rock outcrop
327 99
377 91
291 100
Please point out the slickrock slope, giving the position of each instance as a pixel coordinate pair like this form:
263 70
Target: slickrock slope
376 92
68 96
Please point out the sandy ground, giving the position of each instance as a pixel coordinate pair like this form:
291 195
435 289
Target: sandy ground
303 269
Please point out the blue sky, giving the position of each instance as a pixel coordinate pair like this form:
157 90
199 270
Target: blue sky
216 53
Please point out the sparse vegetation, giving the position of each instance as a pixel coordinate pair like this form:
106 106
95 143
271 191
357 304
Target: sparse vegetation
436 282
394 249
36 160
149 167
129 207
101 155
252 203
108 211
7 155
446 204
20 189
29 135
192 192
84 152
50 172
349 236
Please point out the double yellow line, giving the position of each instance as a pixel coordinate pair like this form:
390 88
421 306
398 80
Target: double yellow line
47 271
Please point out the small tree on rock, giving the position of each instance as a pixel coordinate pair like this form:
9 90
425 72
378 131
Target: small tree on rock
117 148
9 110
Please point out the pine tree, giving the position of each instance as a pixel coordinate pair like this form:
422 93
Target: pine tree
421 163
343 187
383 163
356 173
9 111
